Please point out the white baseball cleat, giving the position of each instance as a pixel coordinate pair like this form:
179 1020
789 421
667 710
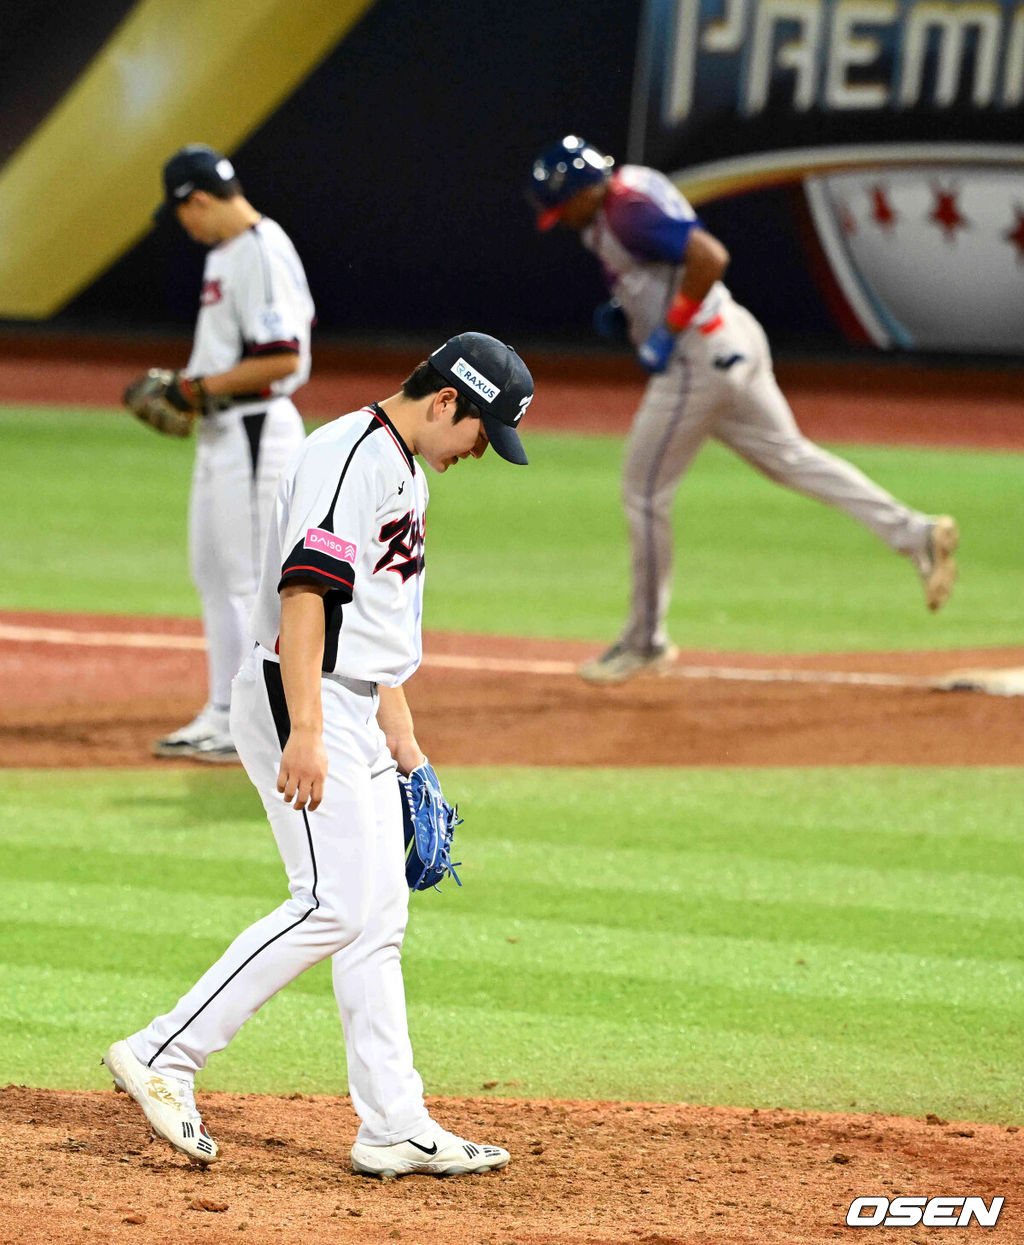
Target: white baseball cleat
936 564
433 1153
166 1101
206 737
620 663
216 749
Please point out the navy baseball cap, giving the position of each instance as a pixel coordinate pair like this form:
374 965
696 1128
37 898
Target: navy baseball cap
195 167
494 378
562 171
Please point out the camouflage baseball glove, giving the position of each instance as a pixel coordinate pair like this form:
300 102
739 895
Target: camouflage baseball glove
167 401
430 823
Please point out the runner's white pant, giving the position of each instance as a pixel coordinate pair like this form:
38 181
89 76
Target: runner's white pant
240 454
722 385
349 900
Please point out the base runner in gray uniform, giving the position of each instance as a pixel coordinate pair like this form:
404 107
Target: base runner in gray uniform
319 716
711 376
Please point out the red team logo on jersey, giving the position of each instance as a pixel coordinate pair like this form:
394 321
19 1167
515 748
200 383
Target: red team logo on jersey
211 293
404 540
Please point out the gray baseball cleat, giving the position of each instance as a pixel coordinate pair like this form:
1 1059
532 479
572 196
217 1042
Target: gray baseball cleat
433 1153
935 562
205 738
167 1103
620 663
216 750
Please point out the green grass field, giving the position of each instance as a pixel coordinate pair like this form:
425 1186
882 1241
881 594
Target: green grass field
803 938
776 937
96 512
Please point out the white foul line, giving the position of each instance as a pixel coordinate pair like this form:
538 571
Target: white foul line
498 665
99 639
855 677
491 665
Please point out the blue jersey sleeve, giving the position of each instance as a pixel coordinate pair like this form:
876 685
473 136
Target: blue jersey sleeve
645 229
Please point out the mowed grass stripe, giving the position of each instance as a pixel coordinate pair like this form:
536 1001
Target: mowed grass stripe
861 928
762 1004
664 958
788 1069
525 1052
884 817
639 878
48 924
758 568
640 934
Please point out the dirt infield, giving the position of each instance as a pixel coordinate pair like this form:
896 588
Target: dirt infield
713 709
70 703
80 1168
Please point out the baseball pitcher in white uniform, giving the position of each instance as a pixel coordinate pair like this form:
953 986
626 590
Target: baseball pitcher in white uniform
711 376
250 353
322 727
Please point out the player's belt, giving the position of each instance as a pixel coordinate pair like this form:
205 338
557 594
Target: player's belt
360 687
224 402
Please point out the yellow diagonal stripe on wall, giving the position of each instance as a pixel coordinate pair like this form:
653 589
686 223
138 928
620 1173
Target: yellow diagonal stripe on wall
80 191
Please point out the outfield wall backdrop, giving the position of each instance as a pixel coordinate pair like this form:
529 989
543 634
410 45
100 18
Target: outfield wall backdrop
392 139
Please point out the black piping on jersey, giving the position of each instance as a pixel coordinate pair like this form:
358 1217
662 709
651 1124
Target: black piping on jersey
377 410
327 522
282 724
332 600
380 420
335 599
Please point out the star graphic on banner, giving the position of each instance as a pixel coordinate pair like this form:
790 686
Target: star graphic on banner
882 211
946 214
1015 236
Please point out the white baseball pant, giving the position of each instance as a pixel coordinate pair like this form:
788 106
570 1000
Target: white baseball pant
239 456
349 900
721 385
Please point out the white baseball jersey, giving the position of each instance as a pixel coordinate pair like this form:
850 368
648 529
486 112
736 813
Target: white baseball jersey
254 301
350 513
639 235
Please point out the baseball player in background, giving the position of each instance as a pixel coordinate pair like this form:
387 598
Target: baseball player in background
249 355
711 376
319 715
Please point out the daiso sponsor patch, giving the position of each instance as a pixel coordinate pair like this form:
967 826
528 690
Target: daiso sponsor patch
327 542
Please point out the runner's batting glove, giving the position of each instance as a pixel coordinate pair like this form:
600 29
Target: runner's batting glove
430 823
656 351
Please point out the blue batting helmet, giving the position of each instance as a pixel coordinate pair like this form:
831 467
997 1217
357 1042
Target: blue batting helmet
561 171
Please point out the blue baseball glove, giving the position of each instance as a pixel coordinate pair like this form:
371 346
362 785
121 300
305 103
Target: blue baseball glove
430 823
